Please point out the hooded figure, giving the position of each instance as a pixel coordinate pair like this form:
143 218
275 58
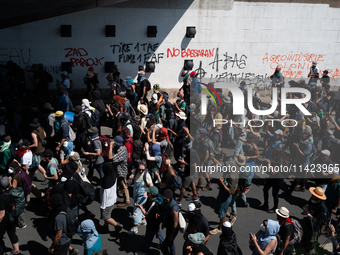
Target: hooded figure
228 243
264 239
156 150
90 236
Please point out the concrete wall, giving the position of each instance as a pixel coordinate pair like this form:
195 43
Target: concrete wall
246 39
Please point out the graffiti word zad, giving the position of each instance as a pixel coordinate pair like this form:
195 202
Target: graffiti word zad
238 102
189 53
77 59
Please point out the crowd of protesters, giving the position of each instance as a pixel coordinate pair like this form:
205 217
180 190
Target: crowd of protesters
156 143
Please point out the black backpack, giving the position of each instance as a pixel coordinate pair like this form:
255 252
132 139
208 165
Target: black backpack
72 222
137 149
165 95
147 84
86 193
169 150
137 132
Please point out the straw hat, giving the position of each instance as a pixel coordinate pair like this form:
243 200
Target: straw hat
283 212
240 160
143 109
318 192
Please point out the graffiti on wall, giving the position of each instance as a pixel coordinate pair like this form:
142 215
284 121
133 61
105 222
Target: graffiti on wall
295 65
79 57
18 56
189 53
137 53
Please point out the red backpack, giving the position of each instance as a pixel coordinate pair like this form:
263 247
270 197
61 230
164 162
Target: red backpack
105 145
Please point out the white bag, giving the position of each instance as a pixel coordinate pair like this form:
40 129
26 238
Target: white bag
181 222
71 134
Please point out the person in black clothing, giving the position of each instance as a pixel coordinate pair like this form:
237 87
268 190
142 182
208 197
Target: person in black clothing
7 223
286 232
152 210
322 177
71 186
228 243
81 123
275 181
114 111
143 92
318 218
98 103
197 223
196 245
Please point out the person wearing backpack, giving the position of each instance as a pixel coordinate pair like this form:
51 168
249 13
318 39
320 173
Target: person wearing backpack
286 232
51 169
7 223
144 87
60 240
96 159
63 132
155 157
180 105
170 222
152 210
170 178
142 180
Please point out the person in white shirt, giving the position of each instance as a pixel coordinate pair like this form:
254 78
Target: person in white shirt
313 73
108 196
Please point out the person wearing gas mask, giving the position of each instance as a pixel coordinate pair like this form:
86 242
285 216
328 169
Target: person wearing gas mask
265 242
197 223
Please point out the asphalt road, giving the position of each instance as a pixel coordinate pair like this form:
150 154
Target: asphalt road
35 238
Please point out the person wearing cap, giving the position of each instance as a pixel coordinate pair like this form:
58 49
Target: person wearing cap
325 80
51 169
313 73
152 210
6 223
156 102
119 155
90 236
198 223
317 213
196 245
195 86
63 132
186 83
170 222
273 142
228 243
322 175
38 135
96 150
286 232
127 104
142 179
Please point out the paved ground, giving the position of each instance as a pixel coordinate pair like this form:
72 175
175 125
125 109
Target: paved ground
34 239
